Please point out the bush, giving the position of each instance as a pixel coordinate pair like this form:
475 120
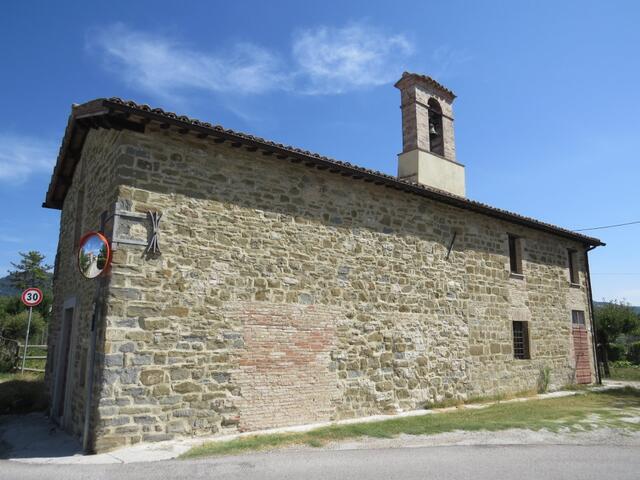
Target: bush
634 353
6 364
23 396
8 354
15 326
622 364
615 352
544 380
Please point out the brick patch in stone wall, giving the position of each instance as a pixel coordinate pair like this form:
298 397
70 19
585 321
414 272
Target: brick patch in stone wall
285 375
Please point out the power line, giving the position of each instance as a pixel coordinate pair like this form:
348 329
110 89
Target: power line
608 273
607 226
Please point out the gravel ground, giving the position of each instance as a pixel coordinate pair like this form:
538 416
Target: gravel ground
600 436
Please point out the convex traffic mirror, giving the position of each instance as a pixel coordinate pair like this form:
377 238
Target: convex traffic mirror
94 254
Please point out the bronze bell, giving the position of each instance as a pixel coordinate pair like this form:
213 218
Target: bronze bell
432 129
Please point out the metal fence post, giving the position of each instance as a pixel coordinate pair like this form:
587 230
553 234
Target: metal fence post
26 341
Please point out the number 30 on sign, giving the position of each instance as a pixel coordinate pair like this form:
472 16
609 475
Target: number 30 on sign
32 297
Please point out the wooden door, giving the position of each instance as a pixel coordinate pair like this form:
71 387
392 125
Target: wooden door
581 354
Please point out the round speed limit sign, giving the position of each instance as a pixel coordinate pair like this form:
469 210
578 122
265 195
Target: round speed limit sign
32 297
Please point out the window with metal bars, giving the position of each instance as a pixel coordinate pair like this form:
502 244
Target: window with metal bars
577 317
521 340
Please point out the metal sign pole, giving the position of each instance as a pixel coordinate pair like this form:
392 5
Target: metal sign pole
26 341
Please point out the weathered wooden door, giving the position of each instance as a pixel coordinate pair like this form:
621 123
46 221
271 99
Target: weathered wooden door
581 354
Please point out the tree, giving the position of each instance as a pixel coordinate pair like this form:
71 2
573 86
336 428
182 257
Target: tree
31 271
614 318
84 261
102 257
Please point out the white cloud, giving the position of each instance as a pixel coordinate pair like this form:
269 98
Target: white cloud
22 156
323 60
164 66
335 60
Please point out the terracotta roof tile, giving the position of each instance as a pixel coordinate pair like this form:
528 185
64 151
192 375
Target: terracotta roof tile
426 79
114 103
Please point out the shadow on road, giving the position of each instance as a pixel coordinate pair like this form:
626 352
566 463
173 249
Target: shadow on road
34 436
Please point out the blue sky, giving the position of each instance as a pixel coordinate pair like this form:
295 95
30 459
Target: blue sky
547 115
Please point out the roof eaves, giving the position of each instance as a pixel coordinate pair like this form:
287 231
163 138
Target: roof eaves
102 107
427 80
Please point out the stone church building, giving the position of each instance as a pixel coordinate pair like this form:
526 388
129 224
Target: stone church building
291 288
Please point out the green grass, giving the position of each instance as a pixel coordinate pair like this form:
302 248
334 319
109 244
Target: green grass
577 387
575 413
626 373
22 393
29 376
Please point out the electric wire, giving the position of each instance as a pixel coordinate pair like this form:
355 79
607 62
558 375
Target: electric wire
607 226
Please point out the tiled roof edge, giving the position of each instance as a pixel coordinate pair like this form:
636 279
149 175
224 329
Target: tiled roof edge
428 80
109 106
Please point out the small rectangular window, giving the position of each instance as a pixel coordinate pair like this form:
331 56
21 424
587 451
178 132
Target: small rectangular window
573 266
521 340
577 317
515 254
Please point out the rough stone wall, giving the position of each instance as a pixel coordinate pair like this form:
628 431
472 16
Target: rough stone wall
542 297
285 289
92 191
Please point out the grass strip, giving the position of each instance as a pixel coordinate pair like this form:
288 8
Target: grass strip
574 412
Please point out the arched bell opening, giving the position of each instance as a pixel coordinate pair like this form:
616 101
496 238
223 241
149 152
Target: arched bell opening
436 138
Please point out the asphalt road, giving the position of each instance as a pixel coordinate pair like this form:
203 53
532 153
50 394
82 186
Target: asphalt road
518 462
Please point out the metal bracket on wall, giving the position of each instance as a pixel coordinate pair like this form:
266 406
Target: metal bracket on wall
122 221
154 246
453 240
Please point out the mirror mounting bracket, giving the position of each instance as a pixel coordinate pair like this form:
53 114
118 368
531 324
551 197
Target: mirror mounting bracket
123 220
153 247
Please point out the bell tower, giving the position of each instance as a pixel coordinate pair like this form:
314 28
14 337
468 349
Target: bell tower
428 143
